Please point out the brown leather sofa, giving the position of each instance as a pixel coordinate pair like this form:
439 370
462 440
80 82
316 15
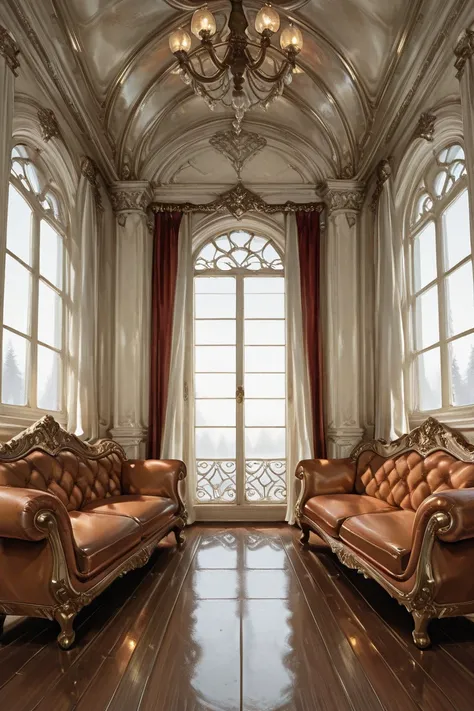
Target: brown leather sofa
403 514
73 517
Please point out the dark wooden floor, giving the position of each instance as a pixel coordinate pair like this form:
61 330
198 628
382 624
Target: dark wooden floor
242 619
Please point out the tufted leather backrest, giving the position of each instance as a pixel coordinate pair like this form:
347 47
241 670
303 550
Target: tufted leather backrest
408 479
75 480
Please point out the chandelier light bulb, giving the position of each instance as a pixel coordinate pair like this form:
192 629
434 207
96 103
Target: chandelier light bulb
267 19
203 23
180 41
291 39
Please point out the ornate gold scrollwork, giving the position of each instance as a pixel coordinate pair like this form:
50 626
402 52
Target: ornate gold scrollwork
240 395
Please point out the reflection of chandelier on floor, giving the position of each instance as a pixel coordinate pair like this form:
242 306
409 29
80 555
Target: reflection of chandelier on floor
237 78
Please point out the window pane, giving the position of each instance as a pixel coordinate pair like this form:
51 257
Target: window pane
214 285
50 316
215 332
264 359
429 380
462 370
265 385
19 226
51 254
457 231
265 413
16 306
215 412
49 379
215 443
265 443
425 256
264 285
270 333
215 385
215 359
264 306
460 300
427 324
15 353
210 306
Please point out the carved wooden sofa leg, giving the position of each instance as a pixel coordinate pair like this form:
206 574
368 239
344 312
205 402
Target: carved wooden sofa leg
420 633
2 622
305 531
178 534
67 635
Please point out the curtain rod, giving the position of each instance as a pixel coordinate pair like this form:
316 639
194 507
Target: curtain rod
238 201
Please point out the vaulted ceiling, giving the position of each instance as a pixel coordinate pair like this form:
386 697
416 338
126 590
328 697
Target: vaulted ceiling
159 130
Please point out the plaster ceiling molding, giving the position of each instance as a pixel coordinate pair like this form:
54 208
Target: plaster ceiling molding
9 49
238 148
286 5
425 128
48 124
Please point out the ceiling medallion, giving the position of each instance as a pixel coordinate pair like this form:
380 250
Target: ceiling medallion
237 79
238 148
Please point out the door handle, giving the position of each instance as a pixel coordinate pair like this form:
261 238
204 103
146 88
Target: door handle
239 395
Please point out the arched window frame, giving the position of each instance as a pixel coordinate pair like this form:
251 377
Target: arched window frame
210 235
415 221
32 178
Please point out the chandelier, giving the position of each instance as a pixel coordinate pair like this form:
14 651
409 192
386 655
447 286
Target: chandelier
236 77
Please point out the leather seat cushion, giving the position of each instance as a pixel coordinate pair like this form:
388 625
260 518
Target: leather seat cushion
331 510
150 512
101 539
384 538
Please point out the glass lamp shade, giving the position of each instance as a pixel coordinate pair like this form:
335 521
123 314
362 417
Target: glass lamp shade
180 41
291 38
267 19
203 21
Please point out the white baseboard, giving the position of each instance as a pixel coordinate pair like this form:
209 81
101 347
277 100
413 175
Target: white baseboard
223 513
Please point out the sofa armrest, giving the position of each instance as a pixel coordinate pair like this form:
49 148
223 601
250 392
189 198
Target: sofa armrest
458 504
154 477
19 508
325 476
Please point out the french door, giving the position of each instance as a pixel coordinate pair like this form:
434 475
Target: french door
240 388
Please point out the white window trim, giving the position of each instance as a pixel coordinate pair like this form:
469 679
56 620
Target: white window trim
459 416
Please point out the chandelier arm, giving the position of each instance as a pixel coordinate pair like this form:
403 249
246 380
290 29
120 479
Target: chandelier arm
200 77
209 47
262 55
275 77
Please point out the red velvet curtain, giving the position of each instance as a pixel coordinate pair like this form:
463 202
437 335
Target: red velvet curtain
164 275
309 243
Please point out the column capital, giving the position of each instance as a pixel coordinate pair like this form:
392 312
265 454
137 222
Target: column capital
344 195
464 51
129 196
9 49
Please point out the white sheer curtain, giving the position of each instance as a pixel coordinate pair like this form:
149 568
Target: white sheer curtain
178 435
299 423
82 400
390 298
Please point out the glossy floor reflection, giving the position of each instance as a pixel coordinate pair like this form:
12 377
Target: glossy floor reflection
240 619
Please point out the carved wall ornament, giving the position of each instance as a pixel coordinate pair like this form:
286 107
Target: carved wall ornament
426 127
238 201
384 171
48 124
238 148
464 51
434 49
129 201
90 171
341 199
127 171
9 49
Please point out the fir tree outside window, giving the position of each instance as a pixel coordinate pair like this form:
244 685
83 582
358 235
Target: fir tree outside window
441 286
34 303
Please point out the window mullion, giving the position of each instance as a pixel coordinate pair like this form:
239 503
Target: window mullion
33 374
240 432
442 314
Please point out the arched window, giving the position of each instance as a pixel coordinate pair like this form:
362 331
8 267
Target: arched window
441 286
239 371
33 344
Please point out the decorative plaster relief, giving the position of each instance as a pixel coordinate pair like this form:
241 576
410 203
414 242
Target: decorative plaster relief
90 171
464 51
384 171
9 49
426 126
48 124
238 148
345 196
